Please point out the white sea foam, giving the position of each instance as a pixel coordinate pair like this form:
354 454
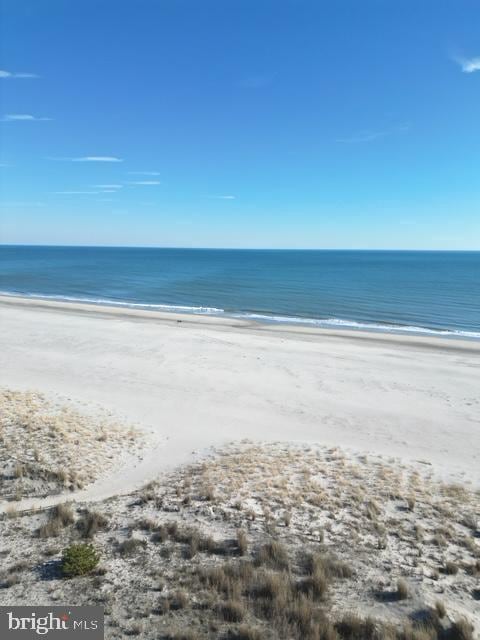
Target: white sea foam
116 303
353 324
338 323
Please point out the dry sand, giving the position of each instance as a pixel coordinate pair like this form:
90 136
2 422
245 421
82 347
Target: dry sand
252 539
221 548
202 381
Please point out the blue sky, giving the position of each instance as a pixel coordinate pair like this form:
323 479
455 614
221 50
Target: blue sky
241 123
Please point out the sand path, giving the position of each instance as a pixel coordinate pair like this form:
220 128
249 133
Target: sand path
202 381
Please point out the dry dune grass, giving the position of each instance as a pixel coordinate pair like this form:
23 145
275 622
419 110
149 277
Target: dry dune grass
47 448
405 536
271 542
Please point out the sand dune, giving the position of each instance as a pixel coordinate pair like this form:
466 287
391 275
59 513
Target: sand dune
202 381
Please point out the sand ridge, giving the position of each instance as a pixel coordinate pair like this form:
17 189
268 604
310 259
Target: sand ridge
265 541
202 381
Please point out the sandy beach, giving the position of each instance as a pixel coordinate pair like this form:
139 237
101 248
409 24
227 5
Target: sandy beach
287 483
240 321
200 381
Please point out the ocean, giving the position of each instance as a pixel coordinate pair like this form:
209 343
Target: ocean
424 292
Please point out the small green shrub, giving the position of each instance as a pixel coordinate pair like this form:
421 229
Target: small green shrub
78 560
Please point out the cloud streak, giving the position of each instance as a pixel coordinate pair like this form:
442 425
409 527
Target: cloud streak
468 65
13 74
371 135
21 117
223 197
97 159
89 159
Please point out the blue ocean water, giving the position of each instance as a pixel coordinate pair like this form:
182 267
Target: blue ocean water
407 291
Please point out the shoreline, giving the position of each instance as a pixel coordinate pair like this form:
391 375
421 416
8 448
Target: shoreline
362 446
203 381
231 321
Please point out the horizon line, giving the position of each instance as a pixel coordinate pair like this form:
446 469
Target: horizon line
108 246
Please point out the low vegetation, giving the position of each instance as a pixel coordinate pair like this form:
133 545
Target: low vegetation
261 543
48 448
78 560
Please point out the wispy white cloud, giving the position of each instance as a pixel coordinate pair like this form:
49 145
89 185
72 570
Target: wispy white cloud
145 182
14 74
108 186
21 117
144 173
468 65
88 159
223 197
97 159
368 135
